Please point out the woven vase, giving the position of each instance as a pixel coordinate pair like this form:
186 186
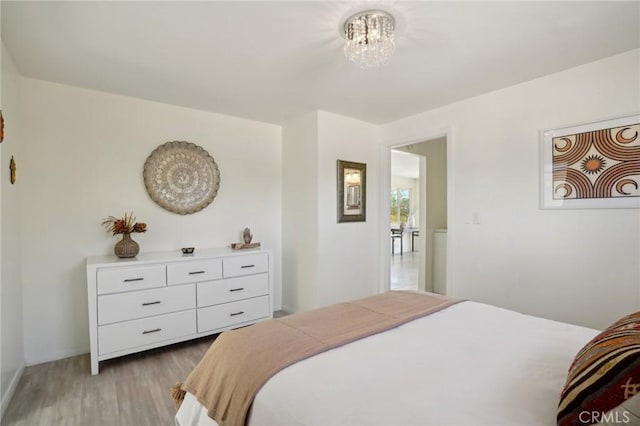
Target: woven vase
126 247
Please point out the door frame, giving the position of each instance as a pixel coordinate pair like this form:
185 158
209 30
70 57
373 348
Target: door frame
385 205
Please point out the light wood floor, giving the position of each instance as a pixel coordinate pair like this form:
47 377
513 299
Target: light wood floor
404 271
134 390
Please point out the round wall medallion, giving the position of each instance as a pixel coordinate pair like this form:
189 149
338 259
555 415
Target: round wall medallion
181 177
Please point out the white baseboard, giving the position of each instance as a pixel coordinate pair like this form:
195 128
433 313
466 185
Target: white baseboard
287 310
49 357
11 389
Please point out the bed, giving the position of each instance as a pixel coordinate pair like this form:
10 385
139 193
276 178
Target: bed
468 363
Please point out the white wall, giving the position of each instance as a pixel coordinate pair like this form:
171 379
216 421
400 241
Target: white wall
578 266
300 213
82 160
325 261
11 346
348 252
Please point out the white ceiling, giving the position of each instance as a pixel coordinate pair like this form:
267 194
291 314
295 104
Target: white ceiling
271 61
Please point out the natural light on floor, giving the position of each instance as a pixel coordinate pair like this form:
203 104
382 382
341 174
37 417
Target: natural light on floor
404 271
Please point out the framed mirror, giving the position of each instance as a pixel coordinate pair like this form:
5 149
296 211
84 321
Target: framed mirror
352 191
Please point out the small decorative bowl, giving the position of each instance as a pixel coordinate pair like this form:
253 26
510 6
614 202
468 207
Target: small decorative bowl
188 250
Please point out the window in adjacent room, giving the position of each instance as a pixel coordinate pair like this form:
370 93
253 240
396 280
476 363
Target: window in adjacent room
400 205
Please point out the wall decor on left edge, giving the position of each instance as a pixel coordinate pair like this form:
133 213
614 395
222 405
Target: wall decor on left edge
12 170
352 191
1 126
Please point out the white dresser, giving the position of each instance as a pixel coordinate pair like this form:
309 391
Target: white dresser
156 299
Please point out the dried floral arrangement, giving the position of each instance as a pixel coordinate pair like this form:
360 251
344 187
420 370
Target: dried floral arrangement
124 225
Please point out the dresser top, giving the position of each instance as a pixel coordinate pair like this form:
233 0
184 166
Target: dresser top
168 256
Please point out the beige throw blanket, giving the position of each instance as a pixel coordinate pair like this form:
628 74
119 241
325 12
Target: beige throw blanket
241 361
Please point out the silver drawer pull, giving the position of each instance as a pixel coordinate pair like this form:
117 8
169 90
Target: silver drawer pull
196 272
155 330
247 266
151 303
236 313
236 289
128 280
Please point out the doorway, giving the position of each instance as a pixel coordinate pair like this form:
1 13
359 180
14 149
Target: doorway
405 199
418 212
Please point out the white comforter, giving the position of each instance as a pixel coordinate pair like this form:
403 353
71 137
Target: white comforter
470 364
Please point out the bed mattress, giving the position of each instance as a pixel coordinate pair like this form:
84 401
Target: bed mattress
468 364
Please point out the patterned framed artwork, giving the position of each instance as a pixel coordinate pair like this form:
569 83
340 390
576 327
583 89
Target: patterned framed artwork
595 165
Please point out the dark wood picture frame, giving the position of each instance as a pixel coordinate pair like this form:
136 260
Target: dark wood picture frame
352 191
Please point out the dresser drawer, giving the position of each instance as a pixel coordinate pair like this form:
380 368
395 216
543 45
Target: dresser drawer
236 266
145 303
116 280
227 314
231 289
131 334
194 271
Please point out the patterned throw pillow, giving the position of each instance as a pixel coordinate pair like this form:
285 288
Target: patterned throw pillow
604 374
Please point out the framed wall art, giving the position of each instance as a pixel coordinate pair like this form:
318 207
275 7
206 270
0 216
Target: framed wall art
352 191
181 177
595 165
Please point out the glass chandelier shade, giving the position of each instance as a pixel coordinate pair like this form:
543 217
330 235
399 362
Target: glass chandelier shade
369 38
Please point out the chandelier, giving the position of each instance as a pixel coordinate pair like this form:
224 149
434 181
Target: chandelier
369 38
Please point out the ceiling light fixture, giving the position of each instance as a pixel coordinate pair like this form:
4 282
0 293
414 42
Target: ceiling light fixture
369 38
